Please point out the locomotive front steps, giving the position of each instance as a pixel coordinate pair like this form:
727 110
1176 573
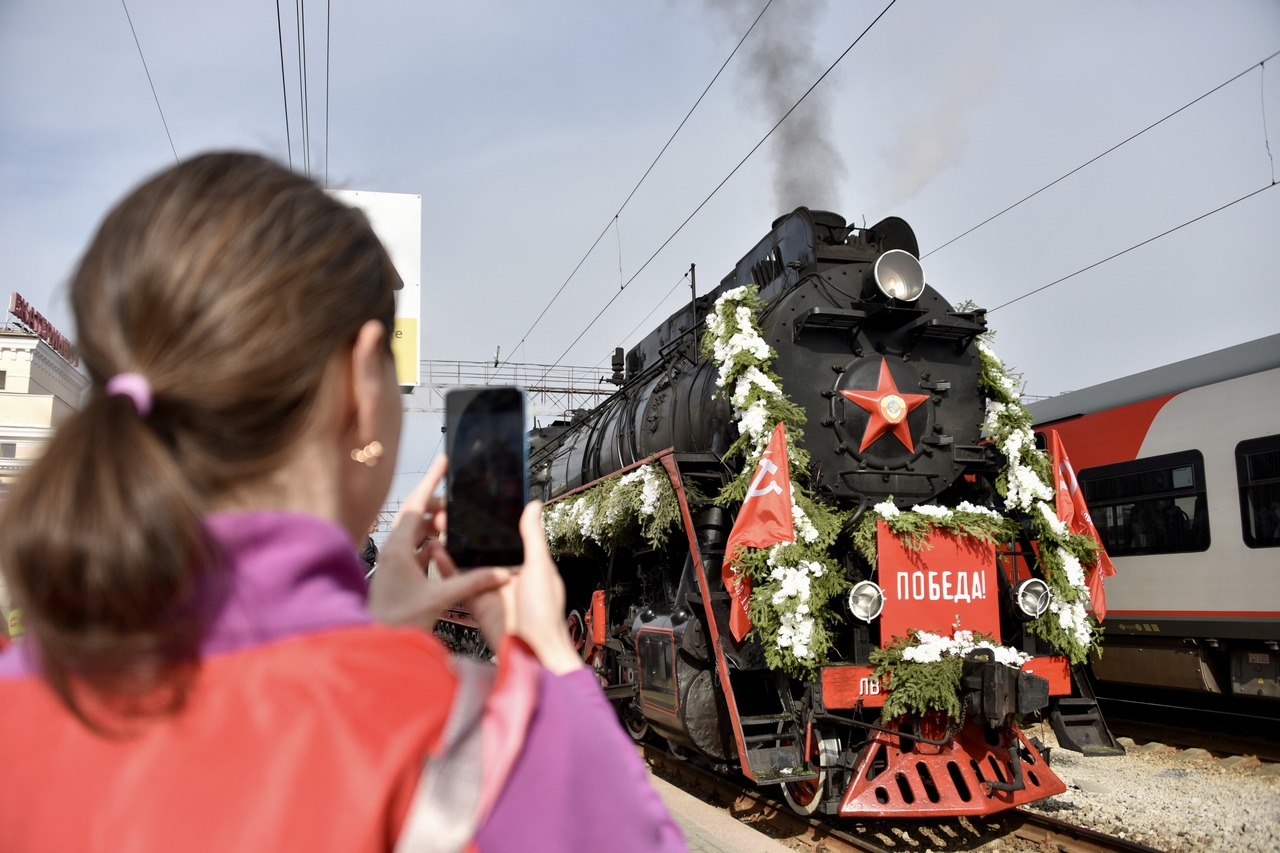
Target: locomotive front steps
1078 724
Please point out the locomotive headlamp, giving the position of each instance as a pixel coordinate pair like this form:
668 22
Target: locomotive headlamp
899 275
866 600
1032 597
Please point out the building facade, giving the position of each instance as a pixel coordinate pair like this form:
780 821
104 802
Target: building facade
39 389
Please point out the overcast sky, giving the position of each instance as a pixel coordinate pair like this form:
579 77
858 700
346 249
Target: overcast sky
525 125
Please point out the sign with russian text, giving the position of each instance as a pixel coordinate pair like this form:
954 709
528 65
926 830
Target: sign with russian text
949 584
397 220
35 321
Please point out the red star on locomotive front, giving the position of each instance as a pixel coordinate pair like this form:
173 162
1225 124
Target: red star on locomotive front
888 409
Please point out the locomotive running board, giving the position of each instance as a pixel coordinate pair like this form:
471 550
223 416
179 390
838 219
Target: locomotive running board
764 764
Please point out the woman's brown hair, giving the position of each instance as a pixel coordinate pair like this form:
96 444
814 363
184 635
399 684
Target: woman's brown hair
228 282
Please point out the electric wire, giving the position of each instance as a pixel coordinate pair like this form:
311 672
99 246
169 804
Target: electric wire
328 18
610 224
734 171
1266 137
284 92
129 18
302 88
1103 154
1131 248
627 336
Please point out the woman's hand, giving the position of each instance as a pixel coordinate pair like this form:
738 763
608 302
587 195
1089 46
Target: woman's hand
401 593
531 604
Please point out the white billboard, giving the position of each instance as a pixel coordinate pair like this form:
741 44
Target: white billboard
397 220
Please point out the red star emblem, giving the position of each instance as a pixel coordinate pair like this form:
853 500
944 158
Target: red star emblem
888 409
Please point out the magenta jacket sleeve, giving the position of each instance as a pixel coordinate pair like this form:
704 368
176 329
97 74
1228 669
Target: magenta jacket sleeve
579 783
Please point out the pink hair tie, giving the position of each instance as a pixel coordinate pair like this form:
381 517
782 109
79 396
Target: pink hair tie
134 386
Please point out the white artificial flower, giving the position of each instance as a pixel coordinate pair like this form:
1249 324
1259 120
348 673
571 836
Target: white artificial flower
965 506
1073 619
931 648
754 420
1050 515
932 511
1075 571
886 509
651 492
803 526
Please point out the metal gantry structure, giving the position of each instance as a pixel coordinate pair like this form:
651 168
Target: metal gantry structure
553 390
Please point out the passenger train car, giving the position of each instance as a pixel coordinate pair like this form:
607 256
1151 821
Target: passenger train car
1180 467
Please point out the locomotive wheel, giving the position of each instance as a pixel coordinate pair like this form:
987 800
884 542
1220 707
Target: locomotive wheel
577 631
806 797
636 726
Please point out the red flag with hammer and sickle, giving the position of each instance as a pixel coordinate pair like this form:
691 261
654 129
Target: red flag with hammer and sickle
763 520
1073 511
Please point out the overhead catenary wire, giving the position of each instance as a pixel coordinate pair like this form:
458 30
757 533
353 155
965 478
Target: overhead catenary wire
734 171
328 19
129 18
1134 246
1120 144
302 83
646 317
1266 137
627 200
284 92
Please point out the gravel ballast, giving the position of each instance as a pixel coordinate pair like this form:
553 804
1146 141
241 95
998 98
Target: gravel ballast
1173 800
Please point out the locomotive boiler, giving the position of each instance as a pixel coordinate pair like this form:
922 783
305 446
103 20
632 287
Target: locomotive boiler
861 339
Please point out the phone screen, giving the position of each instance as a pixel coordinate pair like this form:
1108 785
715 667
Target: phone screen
488 483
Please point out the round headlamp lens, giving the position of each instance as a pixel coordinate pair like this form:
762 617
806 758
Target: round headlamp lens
866 600
899 275
1032 597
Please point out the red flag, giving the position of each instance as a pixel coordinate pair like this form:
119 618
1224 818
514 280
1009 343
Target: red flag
763 520
1073 511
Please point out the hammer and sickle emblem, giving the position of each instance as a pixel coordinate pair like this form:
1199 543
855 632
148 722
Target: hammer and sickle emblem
766 467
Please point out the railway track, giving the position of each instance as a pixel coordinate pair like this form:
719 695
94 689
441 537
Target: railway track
1018 829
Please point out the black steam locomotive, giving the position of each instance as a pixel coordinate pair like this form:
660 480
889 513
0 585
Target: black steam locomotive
842 305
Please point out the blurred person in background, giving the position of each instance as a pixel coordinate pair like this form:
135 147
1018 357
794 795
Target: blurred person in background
369 555
202 671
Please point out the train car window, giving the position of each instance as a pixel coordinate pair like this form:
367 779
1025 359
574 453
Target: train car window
1150 506
1258 473
658 669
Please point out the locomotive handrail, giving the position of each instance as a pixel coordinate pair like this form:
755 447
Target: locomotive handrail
849 721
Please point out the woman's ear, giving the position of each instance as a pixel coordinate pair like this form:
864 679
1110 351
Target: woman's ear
368 380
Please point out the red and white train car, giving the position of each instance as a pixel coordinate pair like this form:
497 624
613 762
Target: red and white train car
1180 466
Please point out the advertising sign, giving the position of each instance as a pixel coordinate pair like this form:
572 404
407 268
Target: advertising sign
35 321
397 220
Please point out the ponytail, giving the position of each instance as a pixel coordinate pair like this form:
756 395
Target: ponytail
103 547
229 283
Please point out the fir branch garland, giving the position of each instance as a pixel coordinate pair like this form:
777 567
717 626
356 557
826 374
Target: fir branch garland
922 672
792 584
1027 483
615 512
914 527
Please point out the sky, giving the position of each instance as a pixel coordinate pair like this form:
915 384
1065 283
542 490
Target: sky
524 126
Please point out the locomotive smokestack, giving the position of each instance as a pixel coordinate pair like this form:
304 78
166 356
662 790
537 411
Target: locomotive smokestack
777 65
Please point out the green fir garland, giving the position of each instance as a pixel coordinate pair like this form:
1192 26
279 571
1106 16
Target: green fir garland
1027 483
792 584
615 512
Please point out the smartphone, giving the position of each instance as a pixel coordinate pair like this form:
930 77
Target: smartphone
488 481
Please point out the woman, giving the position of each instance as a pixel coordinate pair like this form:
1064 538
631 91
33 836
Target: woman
200 671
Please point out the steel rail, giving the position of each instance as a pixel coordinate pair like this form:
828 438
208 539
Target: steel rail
774 818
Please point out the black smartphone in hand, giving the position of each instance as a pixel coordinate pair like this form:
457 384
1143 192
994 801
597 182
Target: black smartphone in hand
488 480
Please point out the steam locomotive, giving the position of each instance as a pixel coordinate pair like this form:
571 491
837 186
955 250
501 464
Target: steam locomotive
844 308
